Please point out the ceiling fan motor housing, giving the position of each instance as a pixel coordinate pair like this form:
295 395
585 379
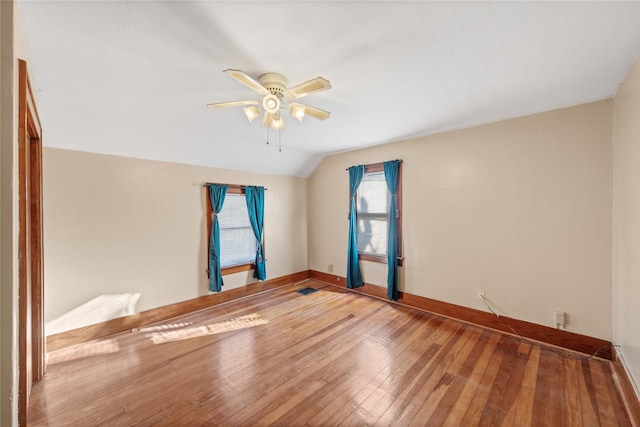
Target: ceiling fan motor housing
274 83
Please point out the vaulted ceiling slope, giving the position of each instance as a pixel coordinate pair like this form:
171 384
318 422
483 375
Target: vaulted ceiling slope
133 78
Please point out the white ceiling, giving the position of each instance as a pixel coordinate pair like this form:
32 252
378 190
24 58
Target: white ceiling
132 78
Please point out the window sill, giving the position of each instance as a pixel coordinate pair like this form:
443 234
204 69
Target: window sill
382 259
237 268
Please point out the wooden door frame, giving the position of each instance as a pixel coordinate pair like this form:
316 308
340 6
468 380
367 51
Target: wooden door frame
30 249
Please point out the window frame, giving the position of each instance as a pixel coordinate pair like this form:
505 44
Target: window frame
232 189
382 259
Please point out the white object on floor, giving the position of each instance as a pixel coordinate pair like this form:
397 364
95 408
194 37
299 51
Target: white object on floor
99 309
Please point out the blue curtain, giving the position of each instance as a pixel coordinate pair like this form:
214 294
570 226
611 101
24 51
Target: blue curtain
255 207
216 197
354 275
391 177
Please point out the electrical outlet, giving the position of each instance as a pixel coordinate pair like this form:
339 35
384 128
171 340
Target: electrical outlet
330 268
559 317
481 294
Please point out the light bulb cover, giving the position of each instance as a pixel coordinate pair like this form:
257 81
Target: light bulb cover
251 112
277 123
271 103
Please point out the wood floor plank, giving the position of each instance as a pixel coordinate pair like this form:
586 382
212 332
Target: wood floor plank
471 384
431 387
396 358
462 376
522 410
573 413
336 354
507 384
423 370
376 405
395 348
333 357
608 396
477 410
344 389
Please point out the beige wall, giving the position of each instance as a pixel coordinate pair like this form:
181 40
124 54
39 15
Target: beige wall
8 289
12 47
115 224
520 209
626 222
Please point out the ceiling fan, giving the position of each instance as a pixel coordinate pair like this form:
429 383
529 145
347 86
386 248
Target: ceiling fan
276 96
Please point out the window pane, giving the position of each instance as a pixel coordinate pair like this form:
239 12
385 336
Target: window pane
237 241
373 196
372 213
234 212
372 236
237 246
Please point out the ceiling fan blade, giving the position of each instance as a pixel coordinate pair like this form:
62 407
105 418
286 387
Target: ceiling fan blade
312 86
314 112
232 104
247 81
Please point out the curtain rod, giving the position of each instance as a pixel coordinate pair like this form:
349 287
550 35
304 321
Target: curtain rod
229 185
374 164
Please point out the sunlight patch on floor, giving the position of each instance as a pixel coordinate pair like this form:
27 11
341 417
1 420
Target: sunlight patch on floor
81 351
241 322
162 327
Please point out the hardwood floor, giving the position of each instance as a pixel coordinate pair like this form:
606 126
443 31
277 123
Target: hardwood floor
329 358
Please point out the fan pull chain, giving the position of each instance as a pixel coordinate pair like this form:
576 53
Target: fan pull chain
267 135
279 140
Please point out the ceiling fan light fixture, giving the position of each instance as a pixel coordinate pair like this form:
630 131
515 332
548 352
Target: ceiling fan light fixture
271 103
277 123
251 112
274 89
297 111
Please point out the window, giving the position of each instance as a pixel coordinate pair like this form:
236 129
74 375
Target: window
238 244
372 213
237 241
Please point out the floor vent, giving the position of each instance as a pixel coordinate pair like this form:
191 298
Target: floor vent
306 291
